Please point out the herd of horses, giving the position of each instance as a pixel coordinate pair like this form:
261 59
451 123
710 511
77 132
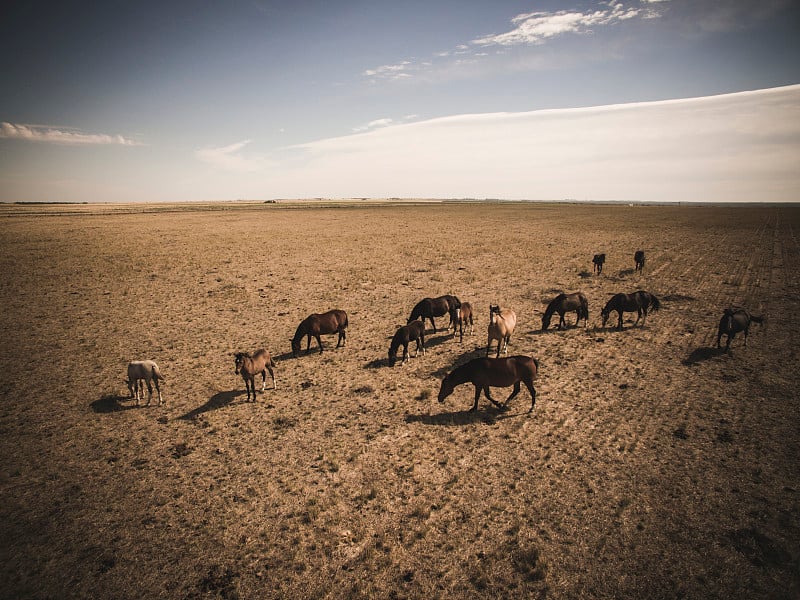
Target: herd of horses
483 372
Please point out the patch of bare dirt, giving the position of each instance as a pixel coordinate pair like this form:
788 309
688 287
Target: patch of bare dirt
653 466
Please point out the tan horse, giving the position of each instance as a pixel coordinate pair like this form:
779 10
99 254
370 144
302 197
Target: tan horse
250 366
501 325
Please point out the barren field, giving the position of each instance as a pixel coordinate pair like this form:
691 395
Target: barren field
653 466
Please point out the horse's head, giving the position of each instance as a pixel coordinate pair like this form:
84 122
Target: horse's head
546 321
446 389
295 347
239 361
605 313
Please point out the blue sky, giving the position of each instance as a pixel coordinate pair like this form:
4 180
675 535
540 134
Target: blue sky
618 100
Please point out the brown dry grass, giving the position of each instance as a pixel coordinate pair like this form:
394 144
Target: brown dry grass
652 466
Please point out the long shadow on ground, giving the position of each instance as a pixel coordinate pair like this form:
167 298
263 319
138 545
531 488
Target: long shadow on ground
699 355
464 417
111 403
218 400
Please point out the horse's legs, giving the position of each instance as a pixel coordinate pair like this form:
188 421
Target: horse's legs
489 397
532 390
619 324
405 353
158 389
477 396
272 374
746 331
149 391
513 394
308 343
433 323
263 379
342 338
319 343
561 321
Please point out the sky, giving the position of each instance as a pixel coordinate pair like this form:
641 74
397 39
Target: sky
620 100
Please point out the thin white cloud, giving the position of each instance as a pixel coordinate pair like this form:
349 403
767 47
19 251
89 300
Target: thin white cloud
229 158
53 135
394 72
735 147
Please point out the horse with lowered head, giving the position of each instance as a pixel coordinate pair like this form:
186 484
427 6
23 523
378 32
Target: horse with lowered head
459 317
413 332
564 303
251 365
428 308
484 373
333 321
639 302
501 325
733 321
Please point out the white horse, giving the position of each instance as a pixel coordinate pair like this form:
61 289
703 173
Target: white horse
501 325
146 371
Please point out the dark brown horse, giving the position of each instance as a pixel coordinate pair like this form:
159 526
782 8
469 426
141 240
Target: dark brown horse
732 322
564 303
413 332
638 258
428 308
597 263
251 365
493 372
333 321
460 317
639 302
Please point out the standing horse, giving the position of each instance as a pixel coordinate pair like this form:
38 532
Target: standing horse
251 365
597 263
333 321
732 322
428 308
639 301
493 372
413 332
460 317
144 371
501 325
638 258
564 303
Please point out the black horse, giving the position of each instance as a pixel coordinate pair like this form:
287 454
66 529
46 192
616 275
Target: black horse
564 303
732 322
598 261
638 258
428 308
413 332
639 302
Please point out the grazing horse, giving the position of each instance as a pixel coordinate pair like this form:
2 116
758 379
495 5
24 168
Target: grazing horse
250 366
638 257
598 261
564 303
460 317
493 372
413 332
333 321
501 325
639 301
428 308
147 371
733 321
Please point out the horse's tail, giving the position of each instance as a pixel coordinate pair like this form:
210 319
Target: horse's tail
584 307
655 302
536 362
757 319
157 373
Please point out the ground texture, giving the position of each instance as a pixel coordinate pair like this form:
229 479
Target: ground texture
653 466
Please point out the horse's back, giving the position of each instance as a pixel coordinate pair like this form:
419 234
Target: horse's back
502 372
327 322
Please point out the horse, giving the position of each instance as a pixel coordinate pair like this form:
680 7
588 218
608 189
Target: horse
733 321
494 372
428 308
333 321
639 301
638 258
413 332
147 371
501 325
564 303
598 261
460 317
250 366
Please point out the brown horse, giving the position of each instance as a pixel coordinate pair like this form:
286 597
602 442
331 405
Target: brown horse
250 366
333 321
732 322
460 317
413 332
639 302
493 372
638 258
501 325
428 308
597 263
564 303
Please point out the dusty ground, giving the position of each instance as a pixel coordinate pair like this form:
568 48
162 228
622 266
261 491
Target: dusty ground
651 467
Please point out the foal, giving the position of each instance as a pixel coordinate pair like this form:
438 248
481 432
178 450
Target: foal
250 366
460 317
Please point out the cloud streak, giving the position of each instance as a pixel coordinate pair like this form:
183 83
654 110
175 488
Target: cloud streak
229 158
52 135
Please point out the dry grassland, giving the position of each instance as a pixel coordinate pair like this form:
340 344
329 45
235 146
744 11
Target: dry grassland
652 466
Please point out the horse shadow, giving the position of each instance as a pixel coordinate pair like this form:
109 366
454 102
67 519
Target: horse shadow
626 272
467 356
217 401
699 355
111 403
463 417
